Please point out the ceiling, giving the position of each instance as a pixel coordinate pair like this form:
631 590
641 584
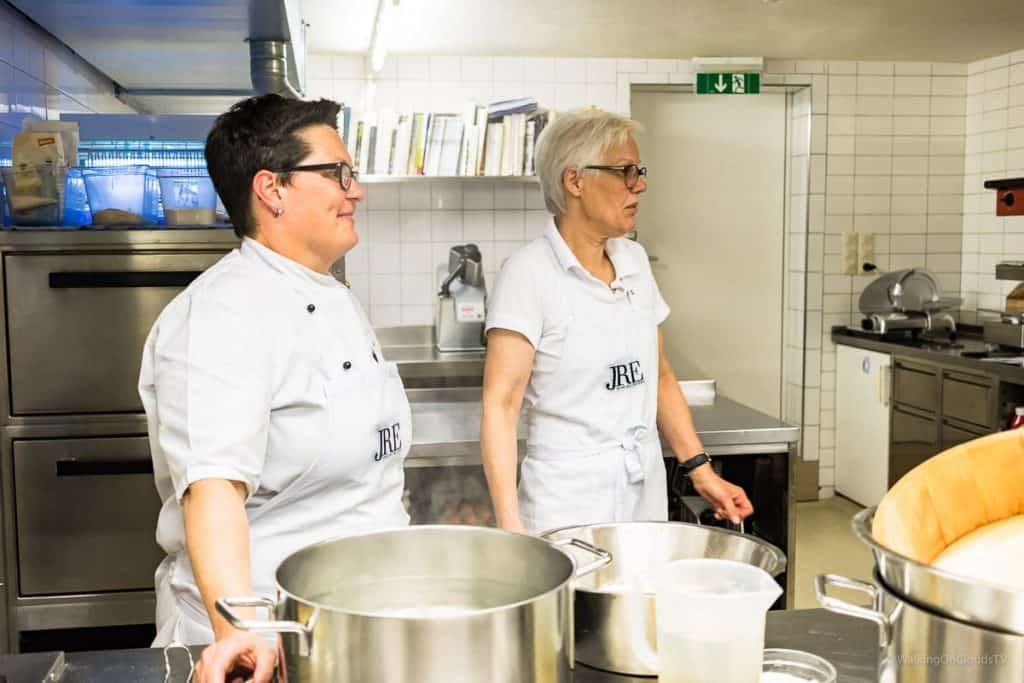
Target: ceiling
910 30
154 43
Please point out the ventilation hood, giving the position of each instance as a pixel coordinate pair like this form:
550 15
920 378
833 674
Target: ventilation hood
163 53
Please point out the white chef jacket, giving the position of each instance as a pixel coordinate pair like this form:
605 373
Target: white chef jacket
592 451
268 373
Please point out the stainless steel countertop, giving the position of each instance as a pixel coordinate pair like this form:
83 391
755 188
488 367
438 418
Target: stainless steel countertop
850 644
946 354
446 424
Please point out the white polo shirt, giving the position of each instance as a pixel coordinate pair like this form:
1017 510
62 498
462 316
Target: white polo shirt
533 295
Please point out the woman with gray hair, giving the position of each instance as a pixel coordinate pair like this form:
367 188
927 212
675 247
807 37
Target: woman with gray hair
573 328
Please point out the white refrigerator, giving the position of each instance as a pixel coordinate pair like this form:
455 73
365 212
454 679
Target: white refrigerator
863 388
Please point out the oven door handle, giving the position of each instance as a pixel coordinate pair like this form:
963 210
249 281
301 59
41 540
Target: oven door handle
122 278
72 467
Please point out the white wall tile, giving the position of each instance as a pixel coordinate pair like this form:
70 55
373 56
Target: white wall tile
509 196
949 86
385 226
478 195
874 85
415 226
445 226
477 68
601 71
949 69
874 105
912 106
509 226
509 69
538 69
876 68
570 70
385 258
413 68
414 196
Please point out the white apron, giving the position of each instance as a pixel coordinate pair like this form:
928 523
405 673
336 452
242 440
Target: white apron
359 488
608 375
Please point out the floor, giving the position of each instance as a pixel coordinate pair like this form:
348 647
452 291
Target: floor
826 544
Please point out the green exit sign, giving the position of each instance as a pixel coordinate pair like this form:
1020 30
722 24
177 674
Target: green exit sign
728 84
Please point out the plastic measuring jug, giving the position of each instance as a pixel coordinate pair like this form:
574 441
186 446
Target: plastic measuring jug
711 615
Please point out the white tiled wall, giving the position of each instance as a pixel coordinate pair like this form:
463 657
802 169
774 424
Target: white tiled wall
884 154
39 76
994 149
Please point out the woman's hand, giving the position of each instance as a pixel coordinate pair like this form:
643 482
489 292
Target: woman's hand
238 658
728 500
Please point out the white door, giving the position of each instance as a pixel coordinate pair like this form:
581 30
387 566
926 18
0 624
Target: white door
862 424
713 222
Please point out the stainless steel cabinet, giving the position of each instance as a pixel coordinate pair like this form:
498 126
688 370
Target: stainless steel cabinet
936 407
955 433
915 385
915 438
969 398
76 324
86 512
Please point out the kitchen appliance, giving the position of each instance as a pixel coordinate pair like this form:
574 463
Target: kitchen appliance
1006 328
917 644
863 389
908 299
430 604
461 306
608 635
78 305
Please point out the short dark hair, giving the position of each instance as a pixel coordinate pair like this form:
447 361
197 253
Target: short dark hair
259 133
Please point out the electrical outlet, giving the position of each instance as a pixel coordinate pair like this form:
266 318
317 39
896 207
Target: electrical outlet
865 250
848 261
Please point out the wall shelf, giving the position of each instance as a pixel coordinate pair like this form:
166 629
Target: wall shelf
386 179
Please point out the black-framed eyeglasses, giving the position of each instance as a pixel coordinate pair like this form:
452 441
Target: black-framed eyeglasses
631 173
338 170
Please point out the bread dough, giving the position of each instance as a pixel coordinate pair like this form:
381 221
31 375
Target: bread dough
993 553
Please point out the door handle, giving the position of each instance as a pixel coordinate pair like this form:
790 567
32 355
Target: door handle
70 467
884 384
128 278
653 259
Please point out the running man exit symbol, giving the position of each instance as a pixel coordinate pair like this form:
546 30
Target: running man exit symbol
728 84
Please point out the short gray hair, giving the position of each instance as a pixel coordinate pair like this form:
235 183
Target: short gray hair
575 140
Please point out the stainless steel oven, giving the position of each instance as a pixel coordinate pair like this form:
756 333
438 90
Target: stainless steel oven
79 505
86 515
76 323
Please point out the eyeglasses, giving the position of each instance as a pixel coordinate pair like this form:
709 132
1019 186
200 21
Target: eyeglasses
339 170
630 173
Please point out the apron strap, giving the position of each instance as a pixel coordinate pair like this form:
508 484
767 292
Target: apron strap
632 444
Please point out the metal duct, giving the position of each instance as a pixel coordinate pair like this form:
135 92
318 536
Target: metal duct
268 65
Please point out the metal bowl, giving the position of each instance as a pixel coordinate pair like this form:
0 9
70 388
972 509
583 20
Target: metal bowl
952 595
609 635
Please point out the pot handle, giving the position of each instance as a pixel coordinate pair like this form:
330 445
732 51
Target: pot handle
603 556
304 631
875 613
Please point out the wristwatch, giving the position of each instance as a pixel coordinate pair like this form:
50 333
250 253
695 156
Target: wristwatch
693 463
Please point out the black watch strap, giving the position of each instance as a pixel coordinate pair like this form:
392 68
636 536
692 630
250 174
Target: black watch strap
693 463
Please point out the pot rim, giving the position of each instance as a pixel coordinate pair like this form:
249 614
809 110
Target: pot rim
779 557
458 528
891 565
861 524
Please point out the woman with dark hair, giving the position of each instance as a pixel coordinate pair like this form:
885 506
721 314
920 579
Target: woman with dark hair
274 420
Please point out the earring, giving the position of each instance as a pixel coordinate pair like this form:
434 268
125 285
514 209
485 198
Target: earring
278 212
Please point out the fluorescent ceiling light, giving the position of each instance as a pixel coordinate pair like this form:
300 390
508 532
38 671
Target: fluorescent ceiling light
381 36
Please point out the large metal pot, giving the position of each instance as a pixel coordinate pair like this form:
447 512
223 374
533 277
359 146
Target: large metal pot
429 604
955 596
610 635
919 645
